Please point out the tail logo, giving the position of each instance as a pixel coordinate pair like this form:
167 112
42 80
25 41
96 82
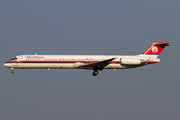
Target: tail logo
154 49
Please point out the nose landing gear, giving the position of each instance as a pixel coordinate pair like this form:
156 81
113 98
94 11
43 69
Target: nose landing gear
12 70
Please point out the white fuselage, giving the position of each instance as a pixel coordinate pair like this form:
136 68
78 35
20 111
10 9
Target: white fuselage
89 62
74 61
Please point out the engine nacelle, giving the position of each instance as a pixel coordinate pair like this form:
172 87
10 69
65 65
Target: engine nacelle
131 61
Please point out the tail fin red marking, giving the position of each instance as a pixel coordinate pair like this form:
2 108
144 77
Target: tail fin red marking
156 47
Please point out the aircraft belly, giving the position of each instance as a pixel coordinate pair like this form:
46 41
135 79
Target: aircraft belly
119 66
116 66
43 65
60 66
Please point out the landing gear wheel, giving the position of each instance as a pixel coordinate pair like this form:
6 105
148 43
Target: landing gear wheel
12 70
95 73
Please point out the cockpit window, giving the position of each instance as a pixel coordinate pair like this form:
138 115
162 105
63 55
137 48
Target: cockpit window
14 58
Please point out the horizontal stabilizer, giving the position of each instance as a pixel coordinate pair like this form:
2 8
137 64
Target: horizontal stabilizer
165 43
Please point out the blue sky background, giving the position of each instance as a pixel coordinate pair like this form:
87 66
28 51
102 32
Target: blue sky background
96 27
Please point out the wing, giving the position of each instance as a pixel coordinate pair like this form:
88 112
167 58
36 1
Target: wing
97 65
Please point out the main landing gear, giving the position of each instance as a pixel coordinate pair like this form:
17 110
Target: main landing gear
95 73
12 70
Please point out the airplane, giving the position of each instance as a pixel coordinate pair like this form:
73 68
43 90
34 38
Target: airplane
90 62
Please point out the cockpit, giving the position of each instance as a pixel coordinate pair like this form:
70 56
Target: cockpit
14 58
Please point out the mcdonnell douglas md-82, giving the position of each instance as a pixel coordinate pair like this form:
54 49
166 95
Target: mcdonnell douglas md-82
89 62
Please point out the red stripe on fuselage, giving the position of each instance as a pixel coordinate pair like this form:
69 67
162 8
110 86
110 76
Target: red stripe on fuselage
63 61
54 61
148 62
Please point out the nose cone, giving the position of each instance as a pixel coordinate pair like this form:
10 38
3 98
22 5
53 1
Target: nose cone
7 64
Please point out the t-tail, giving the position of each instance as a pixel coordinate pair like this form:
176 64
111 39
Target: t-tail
156 48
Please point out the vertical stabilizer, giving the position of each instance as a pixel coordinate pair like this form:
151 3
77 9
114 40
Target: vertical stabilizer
156 48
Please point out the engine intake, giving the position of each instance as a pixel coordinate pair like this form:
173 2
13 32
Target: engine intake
131 61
